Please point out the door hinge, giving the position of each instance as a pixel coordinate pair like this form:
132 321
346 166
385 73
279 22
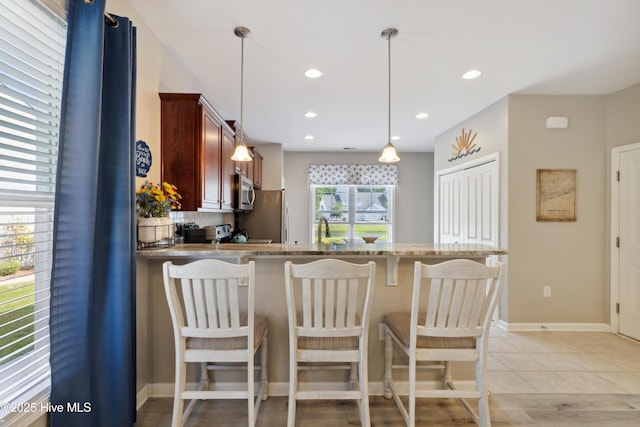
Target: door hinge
618 176
617 308
617 242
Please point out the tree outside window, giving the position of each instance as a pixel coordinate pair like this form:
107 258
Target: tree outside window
354 211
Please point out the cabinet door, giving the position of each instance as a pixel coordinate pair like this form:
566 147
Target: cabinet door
211 132
227 170
181 146
244 168
257 168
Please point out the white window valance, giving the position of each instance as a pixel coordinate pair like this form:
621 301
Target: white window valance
353 174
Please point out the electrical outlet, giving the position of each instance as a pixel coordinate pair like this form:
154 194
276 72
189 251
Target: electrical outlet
546 291
381 331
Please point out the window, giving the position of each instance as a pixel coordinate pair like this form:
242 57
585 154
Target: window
354 211
32 48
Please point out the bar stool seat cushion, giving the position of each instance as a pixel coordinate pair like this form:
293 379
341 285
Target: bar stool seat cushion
324 343
328 343
400 324
260 327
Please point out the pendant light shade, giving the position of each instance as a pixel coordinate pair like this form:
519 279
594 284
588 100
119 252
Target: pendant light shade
389 154
241 153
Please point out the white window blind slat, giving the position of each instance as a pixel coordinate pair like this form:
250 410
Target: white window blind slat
32 48
35 79
13 48
17 146
43 170
26 375
34 107
33 121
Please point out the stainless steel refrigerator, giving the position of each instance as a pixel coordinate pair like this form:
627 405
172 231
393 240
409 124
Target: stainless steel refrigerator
269 218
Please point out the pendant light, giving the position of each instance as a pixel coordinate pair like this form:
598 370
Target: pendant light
389 154
241 153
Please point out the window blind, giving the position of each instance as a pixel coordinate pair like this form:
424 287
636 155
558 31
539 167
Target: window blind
32 49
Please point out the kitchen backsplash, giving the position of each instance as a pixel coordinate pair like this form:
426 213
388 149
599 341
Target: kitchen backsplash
203 219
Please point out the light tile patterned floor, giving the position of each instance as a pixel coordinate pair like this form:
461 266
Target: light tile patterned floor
562 362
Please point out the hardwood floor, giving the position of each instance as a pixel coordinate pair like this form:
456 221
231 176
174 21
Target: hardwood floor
506 410
536 379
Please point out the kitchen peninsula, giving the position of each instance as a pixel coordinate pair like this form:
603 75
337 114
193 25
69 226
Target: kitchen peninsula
394 275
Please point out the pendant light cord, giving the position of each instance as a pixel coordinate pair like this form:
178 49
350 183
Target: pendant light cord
389 93
241 89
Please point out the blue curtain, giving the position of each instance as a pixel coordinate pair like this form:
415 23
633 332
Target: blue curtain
92 322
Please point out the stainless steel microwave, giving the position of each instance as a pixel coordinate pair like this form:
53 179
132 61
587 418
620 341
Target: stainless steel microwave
243 193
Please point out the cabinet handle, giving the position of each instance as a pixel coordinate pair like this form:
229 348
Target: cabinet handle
253 195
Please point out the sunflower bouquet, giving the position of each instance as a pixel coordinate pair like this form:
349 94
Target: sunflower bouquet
155 201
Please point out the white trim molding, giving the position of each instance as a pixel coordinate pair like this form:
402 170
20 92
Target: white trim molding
564 327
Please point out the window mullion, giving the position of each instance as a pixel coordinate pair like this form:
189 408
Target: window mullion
351 216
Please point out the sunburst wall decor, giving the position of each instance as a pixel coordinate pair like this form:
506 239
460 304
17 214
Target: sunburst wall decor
464 145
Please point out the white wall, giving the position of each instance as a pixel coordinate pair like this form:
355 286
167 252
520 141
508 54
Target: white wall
414 194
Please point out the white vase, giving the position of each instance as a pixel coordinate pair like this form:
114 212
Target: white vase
155 229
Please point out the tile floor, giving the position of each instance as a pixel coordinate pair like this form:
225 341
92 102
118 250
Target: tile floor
562 362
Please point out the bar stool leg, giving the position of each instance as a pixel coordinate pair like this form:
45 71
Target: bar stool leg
388 363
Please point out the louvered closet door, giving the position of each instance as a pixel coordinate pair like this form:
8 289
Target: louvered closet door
468 204
451 221
481 200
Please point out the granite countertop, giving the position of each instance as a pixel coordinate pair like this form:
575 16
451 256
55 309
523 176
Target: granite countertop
303 249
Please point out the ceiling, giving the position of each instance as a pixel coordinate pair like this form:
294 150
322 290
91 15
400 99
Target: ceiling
522 46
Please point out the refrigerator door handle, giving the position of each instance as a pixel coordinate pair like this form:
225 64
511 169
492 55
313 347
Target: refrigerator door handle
287 224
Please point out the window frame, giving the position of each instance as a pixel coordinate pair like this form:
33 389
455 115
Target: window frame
352 211
29 141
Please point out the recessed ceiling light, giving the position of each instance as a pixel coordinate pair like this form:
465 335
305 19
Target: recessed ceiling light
395 138
308 137
313 73
471 74
310 114
422 115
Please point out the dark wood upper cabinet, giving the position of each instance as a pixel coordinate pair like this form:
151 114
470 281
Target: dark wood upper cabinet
196 148
256 167
227 167
241 168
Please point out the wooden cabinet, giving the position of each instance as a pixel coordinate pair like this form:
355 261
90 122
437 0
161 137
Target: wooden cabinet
227 167
256 167
209 177
241 168
196 147
252 169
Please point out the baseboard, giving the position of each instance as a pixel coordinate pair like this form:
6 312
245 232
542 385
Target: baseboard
142 396
565 327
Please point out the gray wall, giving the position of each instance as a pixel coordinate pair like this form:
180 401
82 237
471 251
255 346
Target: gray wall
491 125
568 256
414 194
573 258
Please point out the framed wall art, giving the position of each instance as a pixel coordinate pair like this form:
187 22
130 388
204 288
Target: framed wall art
555 194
